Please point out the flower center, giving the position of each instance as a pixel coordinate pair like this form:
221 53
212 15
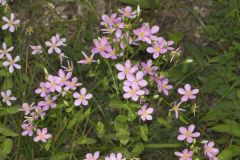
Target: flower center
81 97
10 23
142 34
186 155
188 134
188 93
132 91
11 62
158 49
101 48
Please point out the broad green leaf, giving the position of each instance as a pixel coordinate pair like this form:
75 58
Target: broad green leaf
86 140
123 136
7 132
138 149
7 146
195 53
100 129
229 153
144 132
230 127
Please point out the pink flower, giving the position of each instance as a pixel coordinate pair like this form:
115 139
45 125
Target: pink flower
145 113
5 51
38 112
27 108
73 84
145 33
136 80
91 156
27 129
6 97
109 21
157 48
102 46
64 76
127 12
87 59
54 83
12 63
55 43
184 155
127 70
168 45
132 92
42 90
82 98
148 68
210 151
10 23
42 135
36 49
164 87
176 109
49 102
187 133
187 92
114 156
3 2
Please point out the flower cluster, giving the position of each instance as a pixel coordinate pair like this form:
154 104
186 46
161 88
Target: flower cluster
112 156
50 91
190 136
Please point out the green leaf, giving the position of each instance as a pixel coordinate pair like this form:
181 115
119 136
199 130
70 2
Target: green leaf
7 146
230 127
100 129
229 153
176 37
7 132
144 132
123 136
7 83
138 149
9 111
195 53
86 140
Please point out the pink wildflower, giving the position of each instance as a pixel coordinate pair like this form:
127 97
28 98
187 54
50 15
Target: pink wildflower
12 63
145 33
164 87
27 129
36 49
187 92
136 80
184 155
5 51
42 135
64 76
132 92
127 12
91 156
54 83
127 70
42 90
157 48
114 156
102 47
87 59
7 98
73 84
187 133
210 151
145 113
82 98
10 23
148 68
27 108
49 102
55 43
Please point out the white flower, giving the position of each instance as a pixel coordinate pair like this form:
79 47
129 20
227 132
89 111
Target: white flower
12 63
6 97
3 2
10 23
36 49
55 43
5 51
